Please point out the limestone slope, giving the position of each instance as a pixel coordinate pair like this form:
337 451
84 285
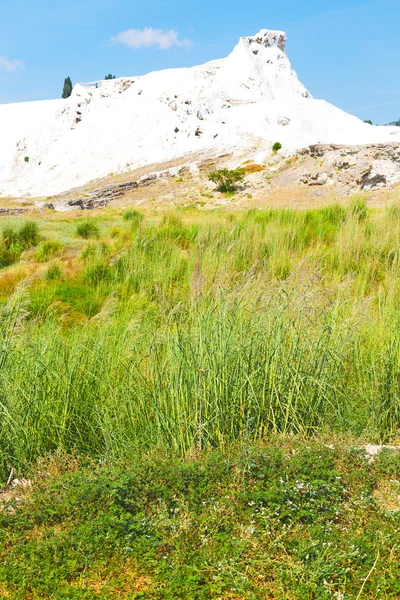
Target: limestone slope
240 104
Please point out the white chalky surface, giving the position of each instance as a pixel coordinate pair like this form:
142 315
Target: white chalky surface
240 104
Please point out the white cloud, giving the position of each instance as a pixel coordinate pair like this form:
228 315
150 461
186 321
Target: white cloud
9 65
144 38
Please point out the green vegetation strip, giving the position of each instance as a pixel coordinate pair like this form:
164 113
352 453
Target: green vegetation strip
284 520
128 334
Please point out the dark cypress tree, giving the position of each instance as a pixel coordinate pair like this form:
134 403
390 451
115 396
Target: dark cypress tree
67 89
109 76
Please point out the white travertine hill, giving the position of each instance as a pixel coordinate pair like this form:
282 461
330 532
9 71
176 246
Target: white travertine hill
240 104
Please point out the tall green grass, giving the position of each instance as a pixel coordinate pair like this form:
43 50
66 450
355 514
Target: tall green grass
199 333
13 242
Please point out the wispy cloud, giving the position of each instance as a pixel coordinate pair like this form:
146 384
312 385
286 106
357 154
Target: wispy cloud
144 38
9 65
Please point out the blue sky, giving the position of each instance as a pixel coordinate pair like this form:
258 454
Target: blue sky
344 51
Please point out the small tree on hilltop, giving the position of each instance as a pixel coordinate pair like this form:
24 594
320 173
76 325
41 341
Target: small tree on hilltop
109 76
226 180
67 89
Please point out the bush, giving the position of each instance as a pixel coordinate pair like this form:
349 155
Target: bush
10 255
97 273
226 180
87 230
48 250
359 207
133 216
96 252
172 221
89 252
26 159
14 242
53 273
115 232
9 237
276 147
334 214
29 235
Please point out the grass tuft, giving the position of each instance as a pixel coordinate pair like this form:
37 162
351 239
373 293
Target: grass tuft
88 229
54 273
133 216
29 235
48 250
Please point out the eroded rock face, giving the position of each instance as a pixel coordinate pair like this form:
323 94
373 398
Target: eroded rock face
102 196
352 168
325 168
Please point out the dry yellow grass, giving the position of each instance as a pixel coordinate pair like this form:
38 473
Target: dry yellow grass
253 168
125 581
4 593
387 494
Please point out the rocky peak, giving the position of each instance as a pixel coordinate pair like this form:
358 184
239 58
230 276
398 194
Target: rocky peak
266 38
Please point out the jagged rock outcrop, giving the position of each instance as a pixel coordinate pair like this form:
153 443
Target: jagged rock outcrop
368 167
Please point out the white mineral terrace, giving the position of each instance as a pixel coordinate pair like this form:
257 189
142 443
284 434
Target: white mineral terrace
240 104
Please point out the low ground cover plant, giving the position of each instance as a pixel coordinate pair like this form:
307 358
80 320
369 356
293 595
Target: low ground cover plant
284 519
